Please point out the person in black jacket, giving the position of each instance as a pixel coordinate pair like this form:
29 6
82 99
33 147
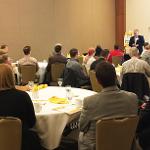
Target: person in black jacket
18 104
137 41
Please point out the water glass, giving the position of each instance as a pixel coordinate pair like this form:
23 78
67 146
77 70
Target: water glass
30 84
68 92
60 81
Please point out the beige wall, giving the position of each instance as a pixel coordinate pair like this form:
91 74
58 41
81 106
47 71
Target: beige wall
138 16
42 23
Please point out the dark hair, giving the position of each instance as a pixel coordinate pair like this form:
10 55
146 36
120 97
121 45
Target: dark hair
27 50
104 53
3 46
106 74
73 52
98 50
57 48
116 46
146 44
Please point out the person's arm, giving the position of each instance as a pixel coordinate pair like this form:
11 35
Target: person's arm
142 41
84 117
131 42
109 58
29 111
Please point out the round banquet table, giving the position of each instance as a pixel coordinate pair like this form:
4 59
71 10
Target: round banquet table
52 118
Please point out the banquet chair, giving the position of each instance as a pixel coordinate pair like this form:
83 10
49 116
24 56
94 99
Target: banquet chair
117 60
116 133
95 85
140 88
28 73
10 133
56 72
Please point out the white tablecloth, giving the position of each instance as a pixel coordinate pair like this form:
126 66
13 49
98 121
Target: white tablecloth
50 122
41 71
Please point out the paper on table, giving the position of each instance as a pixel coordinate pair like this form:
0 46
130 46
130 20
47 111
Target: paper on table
68 109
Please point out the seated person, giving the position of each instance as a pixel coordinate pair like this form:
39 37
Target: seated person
115 52
74 71
135 64
57 57
93 58
102 57
89 55
17 103
110 102
146 45
146 54
27 59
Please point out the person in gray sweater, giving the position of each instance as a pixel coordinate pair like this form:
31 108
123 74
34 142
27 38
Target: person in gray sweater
110 102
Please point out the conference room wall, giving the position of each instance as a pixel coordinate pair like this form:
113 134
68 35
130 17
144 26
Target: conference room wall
41 24
137 16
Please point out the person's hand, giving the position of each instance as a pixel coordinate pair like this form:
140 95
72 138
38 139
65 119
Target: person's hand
137 45
133 45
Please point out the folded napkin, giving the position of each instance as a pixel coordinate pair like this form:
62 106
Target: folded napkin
58 100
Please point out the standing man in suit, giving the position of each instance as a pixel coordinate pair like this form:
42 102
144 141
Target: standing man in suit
137 41
110 102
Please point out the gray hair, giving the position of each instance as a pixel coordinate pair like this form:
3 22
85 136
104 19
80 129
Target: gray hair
134 51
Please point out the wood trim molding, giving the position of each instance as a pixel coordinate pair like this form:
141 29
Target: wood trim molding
120 8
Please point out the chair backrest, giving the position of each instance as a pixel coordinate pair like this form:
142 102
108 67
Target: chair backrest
95 85
10 133
27 73
116 134
117 60
136 83
56 71
85 70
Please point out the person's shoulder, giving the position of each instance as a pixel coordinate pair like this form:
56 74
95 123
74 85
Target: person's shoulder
142 62
128 94
91 99
126 62
33 59
51 57
20 92
140 36
20 60
2 52
63 57
132 37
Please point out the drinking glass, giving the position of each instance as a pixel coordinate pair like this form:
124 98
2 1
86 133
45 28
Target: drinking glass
68 92
30 84
60 81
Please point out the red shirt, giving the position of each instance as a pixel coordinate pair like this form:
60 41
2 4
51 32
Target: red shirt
114 53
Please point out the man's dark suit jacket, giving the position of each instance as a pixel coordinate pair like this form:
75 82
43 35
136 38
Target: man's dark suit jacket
140 42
